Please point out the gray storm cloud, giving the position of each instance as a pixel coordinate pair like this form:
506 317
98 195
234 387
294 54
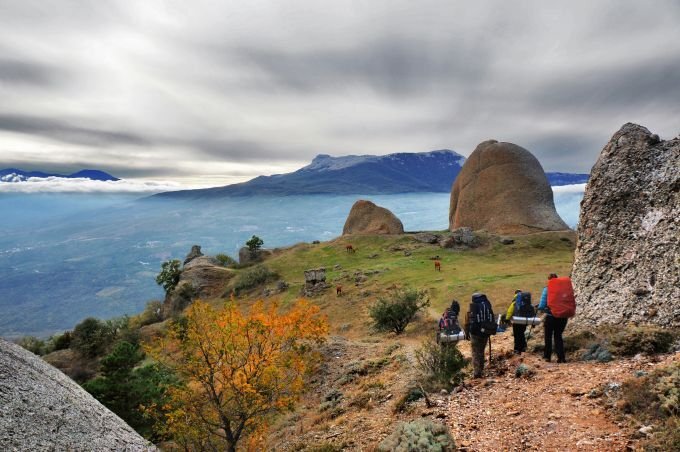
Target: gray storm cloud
224 91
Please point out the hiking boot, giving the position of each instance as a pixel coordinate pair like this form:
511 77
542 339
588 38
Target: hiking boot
547 360
561 360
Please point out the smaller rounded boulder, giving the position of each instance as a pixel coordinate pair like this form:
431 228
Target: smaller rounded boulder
367 218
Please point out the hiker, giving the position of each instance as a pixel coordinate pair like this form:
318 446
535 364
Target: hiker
449 320
557 301
521 308
479 327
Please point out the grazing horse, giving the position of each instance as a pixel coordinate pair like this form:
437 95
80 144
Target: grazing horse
349 249
437 266
338 291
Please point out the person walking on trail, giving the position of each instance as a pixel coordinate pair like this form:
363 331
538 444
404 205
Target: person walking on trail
479 326
553 325
518 330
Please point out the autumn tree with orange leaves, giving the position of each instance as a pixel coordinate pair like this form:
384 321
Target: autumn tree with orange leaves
239 369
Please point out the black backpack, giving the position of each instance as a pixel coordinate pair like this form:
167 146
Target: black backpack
482 322
454 309
523 306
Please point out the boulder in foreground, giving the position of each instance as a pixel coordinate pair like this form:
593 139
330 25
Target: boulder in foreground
627 263
43 409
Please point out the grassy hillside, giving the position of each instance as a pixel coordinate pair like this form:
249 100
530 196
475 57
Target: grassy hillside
389 261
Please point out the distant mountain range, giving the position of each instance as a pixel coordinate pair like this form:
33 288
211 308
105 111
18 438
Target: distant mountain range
17 175
432 171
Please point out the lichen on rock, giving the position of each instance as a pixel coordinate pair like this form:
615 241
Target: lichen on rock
627 262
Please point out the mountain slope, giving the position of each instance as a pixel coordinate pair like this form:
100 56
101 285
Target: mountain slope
432 171
367 174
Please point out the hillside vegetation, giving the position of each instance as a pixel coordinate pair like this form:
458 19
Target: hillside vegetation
373 387
383 262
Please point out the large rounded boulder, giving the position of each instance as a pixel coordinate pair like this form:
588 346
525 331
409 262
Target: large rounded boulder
502 188
627 262
367 218
43 409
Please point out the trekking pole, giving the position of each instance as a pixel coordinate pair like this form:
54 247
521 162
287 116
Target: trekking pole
489 351
531 328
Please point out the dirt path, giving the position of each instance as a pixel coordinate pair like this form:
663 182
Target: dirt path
550 410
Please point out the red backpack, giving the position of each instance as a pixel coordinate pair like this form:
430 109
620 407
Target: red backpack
561 300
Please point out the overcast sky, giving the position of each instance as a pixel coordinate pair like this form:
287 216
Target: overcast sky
216 92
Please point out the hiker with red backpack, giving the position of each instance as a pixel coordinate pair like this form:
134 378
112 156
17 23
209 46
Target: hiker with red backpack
559 304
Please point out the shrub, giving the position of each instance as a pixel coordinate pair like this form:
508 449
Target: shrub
599 353
412 395
442 366
419 435
578 341
32 344
225 261
61 341
395 313
169 275
648 340
524 371
253 277
655 399
152 313
136 395
91 337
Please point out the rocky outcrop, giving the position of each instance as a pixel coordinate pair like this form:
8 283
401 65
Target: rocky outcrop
315 282
367 218
193 254
502 188
43 409
627 263
246 256
201 277
462 238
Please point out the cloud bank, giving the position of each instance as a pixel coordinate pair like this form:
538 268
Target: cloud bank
11 184
230 90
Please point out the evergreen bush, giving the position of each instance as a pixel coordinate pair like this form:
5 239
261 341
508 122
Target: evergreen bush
420 435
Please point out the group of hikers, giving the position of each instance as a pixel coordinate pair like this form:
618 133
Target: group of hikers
557 302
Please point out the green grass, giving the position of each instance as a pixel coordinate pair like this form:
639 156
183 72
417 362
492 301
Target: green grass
494 269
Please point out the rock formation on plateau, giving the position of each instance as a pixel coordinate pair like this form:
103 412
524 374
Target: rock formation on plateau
502 188
43 409
627 263
367 218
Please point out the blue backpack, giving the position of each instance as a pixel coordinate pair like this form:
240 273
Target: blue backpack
523 306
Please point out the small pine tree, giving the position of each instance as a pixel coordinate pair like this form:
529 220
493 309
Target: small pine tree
254 245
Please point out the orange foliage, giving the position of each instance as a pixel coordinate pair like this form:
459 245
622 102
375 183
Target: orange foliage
239 370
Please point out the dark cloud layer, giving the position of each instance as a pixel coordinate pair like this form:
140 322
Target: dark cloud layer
67 132
212 89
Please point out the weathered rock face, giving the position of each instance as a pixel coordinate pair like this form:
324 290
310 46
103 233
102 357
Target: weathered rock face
315 282
502 188
367 218
43 409
193 254
627 263
202 277
461 237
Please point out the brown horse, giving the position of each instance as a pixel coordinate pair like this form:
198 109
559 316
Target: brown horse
350 249
437 266
338 291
